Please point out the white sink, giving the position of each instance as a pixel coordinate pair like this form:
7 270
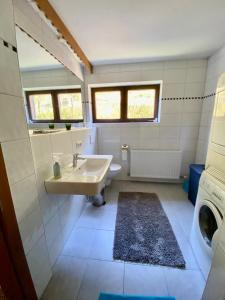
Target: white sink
88 178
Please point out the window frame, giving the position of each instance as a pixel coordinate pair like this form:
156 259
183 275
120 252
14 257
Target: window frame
124 102
55 105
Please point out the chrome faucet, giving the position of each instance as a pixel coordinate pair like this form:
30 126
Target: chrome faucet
76 158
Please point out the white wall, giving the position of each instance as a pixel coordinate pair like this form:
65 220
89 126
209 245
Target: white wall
180 119
49 78
16 147
46 220
216 66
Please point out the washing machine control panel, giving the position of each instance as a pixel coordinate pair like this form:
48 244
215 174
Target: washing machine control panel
216 193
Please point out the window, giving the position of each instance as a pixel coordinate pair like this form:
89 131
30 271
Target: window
41 107
108 105
55 106
70 106
125 103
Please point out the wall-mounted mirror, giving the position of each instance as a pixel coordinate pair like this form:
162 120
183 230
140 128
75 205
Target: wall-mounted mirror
52 93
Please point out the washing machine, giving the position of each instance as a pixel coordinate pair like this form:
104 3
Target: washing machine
208 217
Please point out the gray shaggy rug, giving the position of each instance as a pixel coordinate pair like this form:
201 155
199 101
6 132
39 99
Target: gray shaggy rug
143 232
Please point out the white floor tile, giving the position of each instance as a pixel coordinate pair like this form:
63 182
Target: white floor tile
144 280
97 218
184 245
90 217
93 239
102 247
184 284
79 243
101 276
65 283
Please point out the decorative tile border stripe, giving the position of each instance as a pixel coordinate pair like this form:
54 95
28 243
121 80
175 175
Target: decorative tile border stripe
190 98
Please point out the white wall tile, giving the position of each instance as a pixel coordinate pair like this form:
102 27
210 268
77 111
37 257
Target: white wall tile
48 78
194 89
195 63
201 152
111 146
18 159
110 132
31 229
174 75
48 207
46 228
148 75
171 107
179 120
172 119
189 132
9 72
196 74
188 144
169 144
80 135
173 90
184 170
169 132
151 143
175 64
38 262
61 142
203 133
147 132
189 157
192 106
159 65
190 119
25 197
7 27
12 122
41 149
69 213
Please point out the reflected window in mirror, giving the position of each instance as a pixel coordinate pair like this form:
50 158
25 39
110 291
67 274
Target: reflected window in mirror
70 106
57 106
41 107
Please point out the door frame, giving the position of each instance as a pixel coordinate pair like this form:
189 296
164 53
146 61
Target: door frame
17 274
7 274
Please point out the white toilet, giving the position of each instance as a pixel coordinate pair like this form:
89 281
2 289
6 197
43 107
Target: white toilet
114 170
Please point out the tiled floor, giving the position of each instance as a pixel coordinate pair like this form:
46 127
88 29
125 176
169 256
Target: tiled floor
86 266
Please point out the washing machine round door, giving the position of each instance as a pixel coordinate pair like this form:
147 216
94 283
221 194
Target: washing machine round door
209 220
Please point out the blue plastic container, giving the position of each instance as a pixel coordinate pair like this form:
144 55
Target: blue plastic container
195 174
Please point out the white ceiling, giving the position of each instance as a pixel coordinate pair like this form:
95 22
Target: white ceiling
31 55
111 31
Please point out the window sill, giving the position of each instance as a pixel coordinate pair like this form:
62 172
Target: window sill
108 124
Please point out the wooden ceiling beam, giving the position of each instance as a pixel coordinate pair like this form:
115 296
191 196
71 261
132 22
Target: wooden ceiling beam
57 22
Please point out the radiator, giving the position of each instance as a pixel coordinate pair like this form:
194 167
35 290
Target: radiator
155 163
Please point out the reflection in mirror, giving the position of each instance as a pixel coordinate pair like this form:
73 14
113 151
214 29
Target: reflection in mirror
52 93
